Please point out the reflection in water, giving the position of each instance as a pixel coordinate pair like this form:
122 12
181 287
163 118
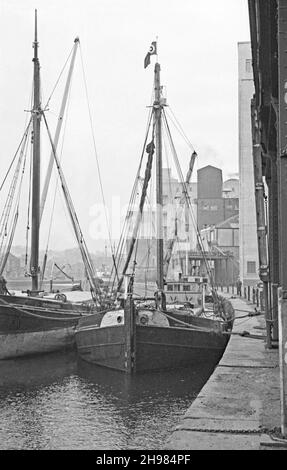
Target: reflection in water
57 401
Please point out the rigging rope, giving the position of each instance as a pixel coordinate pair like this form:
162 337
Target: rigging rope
28 211
180 129
29 193
195 327
119 251
59 77
16 153
96 154
152 231
5 249
150 150
74 219
55 192
185 191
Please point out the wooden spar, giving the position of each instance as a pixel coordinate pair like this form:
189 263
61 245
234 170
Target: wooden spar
58 129
260 218
190 169
74 219
130 335
150 151
157 116
36 112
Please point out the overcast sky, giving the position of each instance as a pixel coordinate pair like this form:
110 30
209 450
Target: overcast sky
197 45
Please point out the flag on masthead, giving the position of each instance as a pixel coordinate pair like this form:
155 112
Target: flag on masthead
152 51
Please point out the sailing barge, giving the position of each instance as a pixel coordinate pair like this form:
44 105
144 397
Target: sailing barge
142 337
31 323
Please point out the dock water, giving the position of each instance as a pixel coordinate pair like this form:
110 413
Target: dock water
239 406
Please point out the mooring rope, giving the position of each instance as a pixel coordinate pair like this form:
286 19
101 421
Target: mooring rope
199 328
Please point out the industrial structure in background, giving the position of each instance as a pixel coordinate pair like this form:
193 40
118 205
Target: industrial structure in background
216 201
268 27
217 220
215 207
248 253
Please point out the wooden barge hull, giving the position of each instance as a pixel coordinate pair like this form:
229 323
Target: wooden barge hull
34 326
156 348
36 342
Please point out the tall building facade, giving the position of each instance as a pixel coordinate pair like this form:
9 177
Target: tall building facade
248 252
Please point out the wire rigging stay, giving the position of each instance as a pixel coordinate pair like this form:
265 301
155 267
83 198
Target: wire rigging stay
9 216
184 203
74 219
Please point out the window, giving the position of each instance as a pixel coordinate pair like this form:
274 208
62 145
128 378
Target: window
248 65
186 287
251 267
170 287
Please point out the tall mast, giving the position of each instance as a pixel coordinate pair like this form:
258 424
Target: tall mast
157 115
36 112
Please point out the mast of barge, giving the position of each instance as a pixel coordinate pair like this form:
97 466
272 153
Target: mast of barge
36 113
157 116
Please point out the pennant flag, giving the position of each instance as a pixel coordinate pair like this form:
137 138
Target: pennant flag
152 51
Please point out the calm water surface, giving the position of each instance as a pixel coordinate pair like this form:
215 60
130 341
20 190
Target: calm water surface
57 401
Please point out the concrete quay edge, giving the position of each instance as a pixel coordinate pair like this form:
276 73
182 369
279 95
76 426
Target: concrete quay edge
239 406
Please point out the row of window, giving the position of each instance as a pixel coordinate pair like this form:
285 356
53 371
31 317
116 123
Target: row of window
207 206
185 288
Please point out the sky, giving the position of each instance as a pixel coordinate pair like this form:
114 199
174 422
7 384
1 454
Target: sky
197 50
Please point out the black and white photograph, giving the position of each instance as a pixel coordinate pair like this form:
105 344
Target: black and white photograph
143 221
